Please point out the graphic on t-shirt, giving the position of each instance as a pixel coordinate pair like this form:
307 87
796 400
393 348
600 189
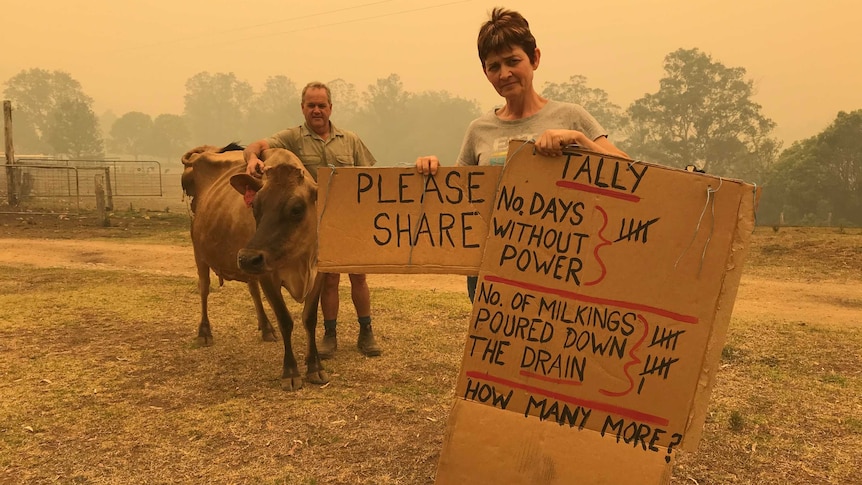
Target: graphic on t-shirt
497 158
500 147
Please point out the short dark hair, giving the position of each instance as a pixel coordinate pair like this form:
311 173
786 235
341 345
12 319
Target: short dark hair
316 85
504 30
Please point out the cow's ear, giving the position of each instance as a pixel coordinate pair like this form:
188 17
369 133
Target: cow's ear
243 182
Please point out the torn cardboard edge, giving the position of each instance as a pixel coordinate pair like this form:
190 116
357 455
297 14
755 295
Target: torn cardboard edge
723 311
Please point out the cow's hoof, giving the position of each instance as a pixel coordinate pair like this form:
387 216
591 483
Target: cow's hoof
291 383
204 340
269 336
317 377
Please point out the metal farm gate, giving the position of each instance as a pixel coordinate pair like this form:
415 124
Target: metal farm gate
70 185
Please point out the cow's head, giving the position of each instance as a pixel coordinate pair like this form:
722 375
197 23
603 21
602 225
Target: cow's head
284 207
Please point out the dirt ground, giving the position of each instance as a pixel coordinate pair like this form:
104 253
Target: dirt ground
161 410
166 260
61 241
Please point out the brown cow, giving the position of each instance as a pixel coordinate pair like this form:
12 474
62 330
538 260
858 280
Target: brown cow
223 226
204 165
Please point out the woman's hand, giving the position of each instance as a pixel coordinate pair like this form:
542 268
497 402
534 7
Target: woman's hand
551 142
427 165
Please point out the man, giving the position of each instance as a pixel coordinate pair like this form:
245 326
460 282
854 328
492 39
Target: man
318 143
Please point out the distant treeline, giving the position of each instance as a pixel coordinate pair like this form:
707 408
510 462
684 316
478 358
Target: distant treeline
702 114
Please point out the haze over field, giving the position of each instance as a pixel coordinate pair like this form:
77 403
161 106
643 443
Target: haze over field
804 59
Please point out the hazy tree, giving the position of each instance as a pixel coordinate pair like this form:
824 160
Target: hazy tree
132 133
27 137
170 136
383 121
437 125
594 100
36 94
386 99
275 108
703 112
216 107
73 130
345 102
398 125
819 176
106 121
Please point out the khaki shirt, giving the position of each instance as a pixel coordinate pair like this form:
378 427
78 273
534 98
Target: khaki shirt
342 149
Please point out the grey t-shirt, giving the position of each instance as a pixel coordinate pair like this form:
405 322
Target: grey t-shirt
487 139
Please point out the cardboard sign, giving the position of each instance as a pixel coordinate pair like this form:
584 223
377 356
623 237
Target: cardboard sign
604 297
395 220
606 287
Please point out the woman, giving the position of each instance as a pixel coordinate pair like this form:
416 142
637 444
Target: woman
509 58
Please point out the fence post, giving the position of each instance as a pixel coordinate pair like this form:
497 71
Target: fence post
109 192
100 203
11 185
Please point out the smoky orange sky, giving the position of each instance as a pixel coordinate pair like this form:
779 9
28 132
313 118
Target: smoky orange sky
805 58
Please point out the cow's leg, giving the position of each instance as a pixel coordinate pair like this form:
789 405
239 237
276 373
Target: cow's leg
315 372
290 378
267 333
205 335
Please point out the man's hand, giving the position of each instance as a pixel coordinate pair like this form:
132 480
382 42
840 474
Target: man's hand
255 167
427 165
251 155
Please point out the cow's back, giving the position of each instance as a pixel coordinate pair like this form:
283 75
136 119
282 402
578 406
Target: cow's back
203 166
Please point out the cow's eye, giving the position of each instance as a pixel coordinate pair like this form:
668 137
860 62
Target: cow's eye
296 211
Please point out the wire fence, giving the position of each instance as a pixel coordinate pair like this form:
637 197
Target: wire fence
70 185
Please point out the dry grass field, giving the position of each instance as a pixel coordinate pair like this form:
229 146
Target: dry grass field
101 383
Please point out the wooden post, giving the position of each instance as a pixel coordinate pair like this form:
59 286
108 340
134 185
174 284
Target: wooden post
109 193
100 203
11 185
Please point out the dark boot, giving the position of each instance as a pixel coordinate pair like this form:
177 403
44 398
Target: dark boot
328 345
367 345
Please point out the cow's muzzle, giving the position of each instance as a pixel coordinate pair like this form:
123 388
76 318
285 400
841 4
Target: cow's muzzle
252 261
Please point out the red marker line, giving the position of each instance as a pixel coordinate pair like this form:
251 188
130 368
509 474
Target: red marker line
604 243
634 360
564 382
598 190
